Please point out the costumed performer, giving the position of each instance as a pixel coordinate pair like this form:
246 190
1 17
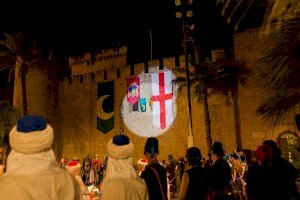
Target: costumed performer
155 174
74 168
32 171
121 181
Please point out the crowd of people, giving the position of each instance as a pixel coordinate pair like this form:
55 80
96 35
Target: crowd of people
33 173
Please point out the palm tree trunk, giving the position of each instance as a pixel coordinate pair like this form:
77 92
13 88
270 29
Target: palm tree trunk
188 90
200 58
207 122
24 98
237 122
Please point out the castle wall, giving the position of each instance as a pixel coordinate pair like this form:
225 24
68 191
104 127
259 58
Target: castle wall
248 46
74 118
77 118
77 109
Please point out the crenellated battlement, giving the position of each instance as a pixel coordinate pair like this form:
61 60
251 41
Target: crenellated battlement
108 65
98 61
89 78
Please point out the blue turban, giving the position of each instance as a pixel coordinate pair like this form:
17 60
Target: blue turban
31 123
120 140
32 134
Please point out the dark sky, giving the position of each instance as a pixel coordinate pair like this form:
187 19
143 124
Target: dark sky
91 25
74 28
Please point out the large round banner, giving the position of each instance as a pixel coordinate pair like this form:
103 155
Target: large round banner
149 107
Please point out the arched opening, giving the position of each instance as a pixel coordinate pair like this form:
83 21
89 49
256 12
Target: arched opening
289 143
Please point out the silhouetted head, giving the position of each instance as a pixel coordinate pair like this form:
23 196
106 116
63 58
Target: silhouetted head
194 156
260 154
151 146
264 153
276 152
218 149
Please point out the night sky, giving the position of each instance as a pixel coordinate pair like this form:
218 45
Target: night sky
82 28
88 26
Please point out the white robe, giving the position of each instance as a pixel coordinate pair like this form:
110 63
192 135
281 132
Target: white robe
40 179
125 189
121 181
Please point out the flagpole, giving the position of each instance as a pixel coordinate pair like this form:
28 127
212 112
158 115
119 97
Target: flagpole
150 44
182 14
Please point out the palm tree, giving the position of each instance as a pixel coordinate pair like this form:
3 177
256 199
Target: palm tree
17 55
8 117
243 12
278 70
224 78
219 77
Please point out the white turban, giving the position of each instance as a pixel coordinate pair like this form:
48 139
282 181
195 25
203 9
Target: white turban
119 163
32 142
119 152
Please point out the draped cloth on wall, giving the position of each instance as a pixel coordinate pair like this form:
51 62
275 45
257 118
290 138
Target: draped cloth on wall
105 106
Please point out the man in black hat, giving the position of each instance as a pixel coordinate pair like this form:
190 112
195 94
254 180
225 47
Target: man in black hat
154 174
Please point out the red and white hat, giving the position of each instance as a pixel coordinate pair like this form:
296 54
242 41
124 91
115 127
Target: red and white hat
143 162
73 167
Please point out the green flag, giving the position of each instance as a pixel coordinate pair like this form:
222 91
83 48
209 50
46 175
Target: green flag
105 106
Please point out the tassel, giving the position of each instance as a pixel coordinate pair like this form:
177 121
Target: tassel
152 151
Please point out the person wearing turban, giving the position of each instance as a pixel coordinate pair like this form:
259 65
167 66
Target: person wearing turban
121 181
32 171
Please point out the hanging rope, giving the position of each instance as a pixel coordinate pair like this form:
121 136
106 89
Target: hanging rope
121 122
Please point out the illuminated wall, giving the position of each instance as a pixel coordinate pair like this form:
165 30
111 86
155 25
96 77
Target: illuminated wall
74 118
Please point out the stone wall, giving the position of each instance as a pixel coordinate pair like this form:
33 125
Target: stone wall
248 47
74 119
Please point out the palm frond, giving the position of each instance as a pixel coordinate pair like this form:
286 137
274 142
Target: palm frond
179 69
225 75
4 67
180 82
278 12
220 77
9 43
275 108
278 72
